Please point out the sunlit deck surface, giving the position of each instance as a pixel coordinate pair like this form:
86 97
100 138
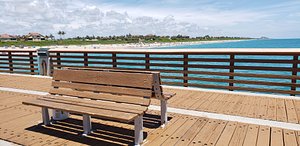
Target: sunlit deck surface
19 123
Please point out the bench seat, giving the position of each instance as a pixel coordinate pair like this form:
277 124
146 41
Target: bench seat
123 112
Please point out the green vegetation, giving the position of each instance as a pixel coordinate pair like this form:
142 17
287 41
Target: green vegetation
88 40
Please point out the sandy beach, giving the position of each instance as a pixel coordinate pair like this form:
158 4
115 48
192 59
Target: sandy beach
125 46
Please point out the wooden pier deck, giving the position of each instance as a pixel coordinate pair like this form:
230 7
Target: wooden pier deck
276 109
19 123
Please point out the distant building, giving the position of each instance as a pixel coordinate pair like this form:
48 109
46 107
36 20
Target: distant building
34 36
7 38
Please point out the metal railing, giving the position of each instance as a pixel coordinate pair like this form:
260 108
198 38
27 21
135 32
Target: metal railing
256 70
19 61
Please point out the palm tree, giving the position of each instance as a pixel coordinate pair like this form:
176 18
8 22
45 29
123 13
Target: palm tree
59 33
63 33
51 37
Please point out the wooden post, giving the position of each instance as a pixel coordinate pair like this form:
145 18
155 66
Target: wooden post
85 55
87 125
185 70
31 63
10 62
58 60
147 61
138 130
45 116
231 70
114 60
294 73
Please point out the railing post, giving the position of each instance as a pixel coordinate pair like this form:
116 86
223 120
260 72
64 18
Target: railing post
86 62
10 61
231 70
58 63
147 61
43 61
294 73
114 60
185 69
31 62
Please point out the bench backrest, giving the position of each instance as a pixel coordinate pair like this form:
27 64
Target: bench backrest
133 86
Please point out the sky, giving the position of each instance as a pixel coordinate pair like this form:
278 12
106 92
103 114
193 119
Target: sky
245 18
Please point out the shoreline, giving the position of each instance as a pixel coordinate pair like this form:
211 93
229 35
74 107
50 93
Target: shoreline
127 46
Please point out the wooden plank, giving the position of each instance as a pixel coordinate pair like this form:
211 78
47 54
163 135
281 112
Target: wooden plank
106 114
207 103
97 104
298 136
192 132
203 136
238 105
261 109
239 135
291 112
165 134
297 108
216 133
180 132
251 135
108 78
227 134
290 138
15 128
281 110
105 89
226 104
263 136
102 96
153 135
272 107
276 137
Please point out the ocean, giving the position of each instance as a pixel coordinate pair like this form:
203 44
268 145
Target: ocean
258 43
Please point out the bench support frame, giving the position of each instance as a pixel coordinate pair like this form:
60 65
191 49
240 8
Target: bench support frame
87 125
45 116
138 130
163 112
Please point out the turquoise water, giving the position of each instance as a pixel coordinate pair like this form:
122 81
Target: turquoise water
267 43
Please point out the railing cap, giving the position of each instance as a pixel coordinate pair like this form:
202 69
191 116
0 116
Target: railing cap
246 51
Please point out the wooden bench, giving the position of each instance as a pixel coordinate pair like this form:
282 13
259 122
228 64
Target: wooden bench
112 94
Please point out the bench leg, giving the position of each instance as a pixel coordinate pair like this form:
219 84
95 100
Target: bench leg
138 130
163 112
87 125
45 116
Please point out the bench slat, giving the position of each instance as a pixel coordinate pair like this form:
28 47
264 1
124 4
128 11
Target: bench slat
103 88
137 109
101 113
138 80
102 96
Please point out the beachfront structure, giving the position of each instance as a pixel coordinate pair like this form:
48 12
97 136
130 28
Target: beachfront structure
198 116
34 36
7 38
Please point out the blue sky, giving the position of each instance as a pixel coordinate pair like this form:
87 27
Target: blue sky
248 18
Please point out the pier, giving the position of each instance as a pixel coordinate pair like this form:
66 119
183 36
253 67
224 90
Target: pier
223 97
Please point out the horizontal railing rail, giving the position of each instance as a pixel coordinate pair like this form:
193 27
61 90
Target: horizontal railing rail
256 70
19 61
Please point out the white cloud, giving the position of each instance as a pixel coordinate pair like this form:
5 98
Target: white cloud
78 17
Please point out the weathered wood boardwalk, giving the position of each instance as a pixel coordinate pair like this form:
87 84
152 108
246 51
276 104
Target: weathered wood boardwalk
19 124
284 110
